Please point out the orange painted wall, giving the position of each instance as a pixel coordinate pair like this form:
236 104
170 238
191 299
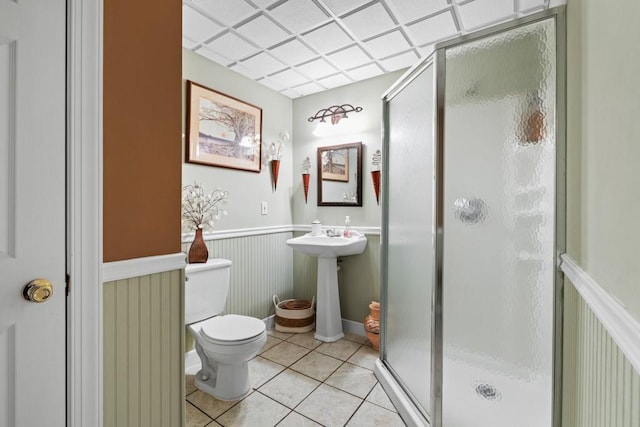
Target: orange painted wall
142 128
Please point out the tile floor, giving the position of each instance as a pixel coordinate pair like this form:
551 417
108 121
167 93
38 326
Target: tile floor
299 381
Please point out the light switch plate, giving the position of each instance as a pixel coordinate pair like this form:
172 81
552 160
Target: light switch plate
264 208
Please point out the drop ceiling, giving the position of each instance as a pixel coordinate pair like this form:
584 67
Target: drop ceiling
300 47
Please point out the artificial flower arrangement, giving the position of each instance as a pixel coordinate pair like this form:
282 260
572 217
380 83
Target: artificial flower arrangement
200 210
275 150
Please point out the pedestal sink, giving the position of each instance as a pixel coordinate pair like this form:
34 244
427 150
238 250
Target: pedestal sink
327 250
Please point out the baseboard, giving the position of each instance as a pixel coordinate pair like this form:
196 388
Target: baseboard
351 327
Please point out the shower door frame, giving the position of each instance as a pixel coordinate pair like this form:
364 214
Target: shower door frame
437 59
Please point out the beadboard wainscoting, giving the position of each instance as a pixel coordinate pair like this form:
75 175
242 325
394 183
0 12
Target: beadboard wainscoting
262 265
143 358
358 278
601 384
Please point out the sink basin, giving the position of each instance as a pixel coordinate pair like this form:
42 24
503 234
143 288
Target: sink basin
327 250
322 246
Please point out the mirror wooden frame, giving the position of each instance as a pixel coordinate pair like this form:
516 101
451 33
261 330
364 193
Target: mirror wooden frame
321 150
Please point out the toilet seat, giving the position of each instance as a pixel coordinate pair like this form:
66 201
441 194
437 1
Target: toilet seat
231 329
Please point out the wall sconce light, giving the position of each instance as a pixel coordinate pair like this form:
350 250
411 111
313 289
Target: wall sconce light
335 113
306 167
376 160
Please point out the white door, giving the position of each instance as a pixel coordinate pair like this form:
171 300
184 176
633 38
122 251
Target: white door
32 211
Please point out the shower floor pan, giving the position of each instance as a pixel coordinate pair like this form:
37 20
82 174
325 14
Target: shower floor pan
478 397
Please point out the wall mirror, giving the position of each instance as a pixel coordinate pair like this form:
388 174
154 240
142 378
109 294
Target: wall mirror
340 175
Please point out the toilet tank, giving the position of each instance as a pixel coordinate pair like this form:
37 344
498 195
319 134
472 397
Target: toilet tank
206 289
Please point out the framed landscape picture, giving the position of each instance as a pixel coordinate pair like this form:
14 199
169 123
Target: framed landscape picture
221 130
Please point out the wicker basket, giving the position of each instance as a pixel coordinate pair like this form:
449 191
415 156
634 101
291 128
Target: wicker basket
294 315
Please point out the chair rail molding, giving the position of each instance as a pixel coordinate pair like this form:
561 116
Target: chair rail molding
118 270
619 323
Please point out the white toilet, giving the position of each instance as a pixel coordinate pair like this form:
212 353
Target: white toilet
226 343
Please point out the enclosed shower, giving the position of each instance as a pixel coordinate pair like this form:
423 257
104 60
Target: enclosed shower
473 224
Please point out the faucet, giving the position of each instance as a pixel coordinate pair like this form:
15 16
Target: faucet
332 232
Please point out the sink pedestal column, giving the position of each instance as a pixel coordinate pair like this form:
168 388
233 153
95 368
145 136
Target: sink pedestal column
328 316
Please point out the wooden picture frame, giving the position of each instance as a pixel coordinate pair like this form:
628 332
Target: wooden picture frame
335 164
222 131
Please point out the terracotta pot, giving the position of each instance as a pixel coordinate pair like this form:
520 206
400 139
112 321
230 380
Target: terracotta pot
372 324
198 252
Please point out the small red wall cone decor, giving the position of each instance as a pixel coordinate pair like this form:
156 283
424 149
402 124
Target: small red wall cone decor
376 160
306 167
275 169
305 183
375 177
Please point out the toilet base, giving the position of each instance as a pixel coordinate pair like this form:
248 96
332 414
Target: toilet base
230 383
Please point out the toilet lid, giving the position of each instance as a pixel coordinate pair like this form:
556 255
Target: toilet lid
232 327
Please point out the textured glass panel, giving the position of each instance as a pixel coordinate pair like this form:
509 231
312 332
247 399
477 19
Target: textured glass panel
410 241
499 203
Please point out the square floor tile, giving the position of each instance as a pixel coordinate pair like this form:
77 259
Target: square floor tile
296 420
195 418
209 404
342 349
365 357
271 342
189 384
262 370
255 410
289 388
305 340
380 398
285 353
316 365
329 406
371 415
280 335
360 339
353 379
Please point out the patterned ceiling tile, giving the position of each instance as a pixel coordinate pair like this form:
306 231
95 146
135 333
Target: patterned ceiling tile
187 43
328 38
409 10
293 52
308 88
397 62
264 64
341 6
317 68
435 28
209 54
299 15
369 21
365 72
231 46
263 32
226 15
387 44
530 4
350 57
483 12
196 26
306 45
335 81
287 78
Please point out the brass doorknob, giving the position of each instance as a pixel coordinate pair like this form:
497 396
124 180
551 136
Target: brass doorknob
38 290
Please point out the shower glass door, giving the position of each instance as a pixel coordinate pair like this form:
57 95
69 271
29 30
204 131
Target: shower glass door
499 224
408 255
